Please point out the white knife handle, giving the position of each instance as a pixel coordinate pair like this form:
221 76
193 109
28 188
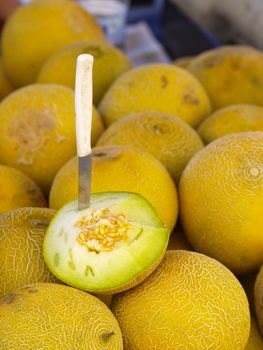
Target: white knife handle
83 104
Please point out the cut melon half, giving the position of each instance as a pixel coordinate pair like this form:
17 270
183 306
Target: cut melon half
110 247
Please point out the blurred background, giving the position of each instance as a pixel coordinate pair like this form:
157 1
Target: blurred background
170 29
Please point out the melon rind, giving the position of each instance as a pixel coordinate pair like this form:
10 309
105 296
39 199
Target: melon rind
121 268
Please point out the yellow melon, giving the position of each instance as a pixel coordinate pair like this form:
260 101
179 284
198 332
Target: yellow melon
109 63
165 136
189 302
255 340
221 201
230 120
121 168
37 130
159 87
37 30
21 241
5 85
83 248
231 75
52 316
18 190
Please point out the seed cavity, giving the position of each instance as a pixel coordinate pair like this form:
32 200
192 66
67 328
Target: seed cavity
101 230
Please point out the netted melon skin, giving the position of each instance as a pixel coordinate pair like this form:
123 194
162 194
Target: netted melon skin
21 244
165 136
190 302
221 201
54 317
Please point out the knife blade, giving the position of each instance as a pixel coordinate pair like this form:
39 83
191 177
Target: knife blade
84 181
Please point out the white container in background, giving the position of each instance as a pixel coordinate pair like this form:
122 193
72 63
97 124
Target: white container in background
111 14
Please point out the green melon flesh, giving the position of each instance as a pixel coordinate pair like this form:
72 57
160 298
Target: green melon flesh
128 263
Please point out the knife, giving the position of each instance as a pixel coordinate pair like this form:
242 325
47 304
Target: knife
83 110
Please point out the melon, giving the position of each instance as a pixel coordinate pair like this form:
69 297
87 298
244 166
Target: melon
52 316
231 120
109 64
38 29
37 130
165 136
189 302
84 248
158 87
18 190
221 201
21 244
230 74
124 169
